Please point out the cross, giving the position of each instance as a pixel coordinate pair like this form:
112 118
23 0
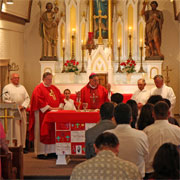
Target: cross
77 124
58 138
52 94
67 137
100 17
167 75
6 117
94 97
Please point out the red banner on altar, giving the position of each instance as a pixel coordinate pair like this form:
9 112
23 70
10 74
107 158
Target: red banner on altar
77 126
63 136
78 148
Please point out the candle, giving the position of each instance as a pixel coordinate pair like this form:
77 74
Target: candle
141 43
73 31
63 43
119 43
82 41
130 29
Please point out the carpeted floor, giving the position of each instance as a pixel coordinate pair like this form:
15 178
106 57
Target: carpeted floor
47 169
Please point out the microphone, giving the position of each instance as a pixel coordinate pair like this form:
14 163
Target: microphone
4 93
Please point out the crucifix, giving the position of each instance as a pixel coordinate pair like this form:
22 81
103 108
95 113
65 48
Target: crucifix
94 97
167 75
52 94
100 17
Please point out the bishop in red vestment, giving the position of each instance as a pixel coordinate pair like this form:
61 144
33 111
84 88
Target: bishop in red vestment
93 93
45 97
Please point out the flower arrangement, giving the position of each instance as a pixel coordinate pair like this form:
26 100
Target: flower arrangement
71 66
128 66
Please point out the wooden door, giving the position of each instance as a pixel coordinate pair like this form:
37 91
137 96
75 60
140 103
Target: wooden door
103 79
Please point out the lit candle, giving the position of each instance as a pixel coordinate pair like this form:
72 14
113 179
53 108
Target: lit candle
82 41
141 43
73 31
130 29
63 43
119 43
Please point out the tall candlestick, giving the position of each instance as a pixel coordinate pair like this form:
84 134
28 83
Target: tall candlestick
119 57
141 70
83 48
73 37
63 48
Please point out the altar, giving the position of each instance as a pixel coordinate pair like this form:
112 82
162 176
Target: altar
101 50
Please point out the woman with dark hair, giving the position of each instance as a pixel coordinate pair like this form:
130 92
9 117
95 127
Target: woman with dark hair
166 162
145 117
134 108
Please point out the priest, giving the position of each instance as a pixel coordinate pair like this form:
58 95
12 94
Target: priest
16 93
45 97
93 93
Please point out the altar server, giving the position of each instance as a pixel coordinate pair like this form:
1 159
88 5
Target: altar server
16 93
93 93
68 103
45 97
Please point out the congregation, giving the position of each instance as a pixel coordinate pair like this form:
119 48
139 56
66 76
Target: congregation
127 143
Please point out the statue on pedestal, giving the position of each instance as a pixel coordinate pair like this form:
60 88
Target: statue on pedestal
153 31
49 21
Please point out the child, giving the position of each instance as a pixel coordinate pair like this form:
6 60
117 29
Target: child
68 103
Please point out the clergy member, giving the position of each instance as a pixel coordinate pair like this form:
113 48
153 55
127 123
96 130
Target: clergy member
93 93
45 97
141 95
163 90
16 93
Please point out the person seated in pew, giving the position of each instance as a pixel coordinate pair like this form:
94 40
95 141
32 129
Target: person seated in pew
106 122
3 145
68 103
134 146
166 162
106 164
116 98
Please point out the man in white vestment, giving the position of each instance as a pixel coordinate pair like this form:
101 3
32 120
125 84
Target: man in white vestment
16 93
163 90
141 95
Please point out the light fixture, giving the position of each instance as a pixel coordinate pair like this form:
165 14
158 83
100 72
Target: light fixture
9 2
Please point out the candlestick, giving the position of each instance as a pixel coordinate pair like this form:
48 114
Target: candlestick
83 48
63 48
141 70
130 54
90 45
73 37
119 55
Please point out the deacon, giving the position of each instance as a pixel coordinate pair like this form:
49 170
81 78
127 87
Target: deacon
16 93
163 90
93 93
45 97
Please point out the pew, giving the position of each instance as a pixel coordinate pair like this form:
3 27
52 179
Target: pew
12 168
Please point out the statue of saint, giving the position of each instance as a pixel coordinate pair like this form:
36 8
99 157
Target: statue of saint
103 6
49 21
154 20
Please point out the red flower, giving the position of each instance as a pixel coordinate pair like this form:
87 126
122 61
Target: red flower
65 64
77 63
67 61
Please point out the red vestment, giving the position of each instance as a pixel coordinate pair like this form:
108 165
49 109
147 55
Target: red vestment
94 97
41 97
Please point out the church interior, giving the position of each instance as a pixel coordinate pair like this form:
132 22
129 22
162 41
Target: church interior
78 37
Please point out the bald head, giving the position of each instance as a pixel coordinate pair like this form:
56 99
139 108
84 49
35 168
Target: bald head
141 84
15 78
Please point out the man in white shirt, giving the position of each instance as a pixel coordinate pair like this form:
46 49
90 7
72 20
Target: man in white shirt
108 87
163 90
133 143
160 132
16 93
141 95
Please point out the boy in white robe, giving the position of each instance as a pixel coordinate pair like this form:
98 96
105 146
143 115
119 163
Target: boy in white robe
68 103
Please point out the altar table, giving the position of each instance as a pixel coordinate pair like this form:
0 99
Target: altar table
70 131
